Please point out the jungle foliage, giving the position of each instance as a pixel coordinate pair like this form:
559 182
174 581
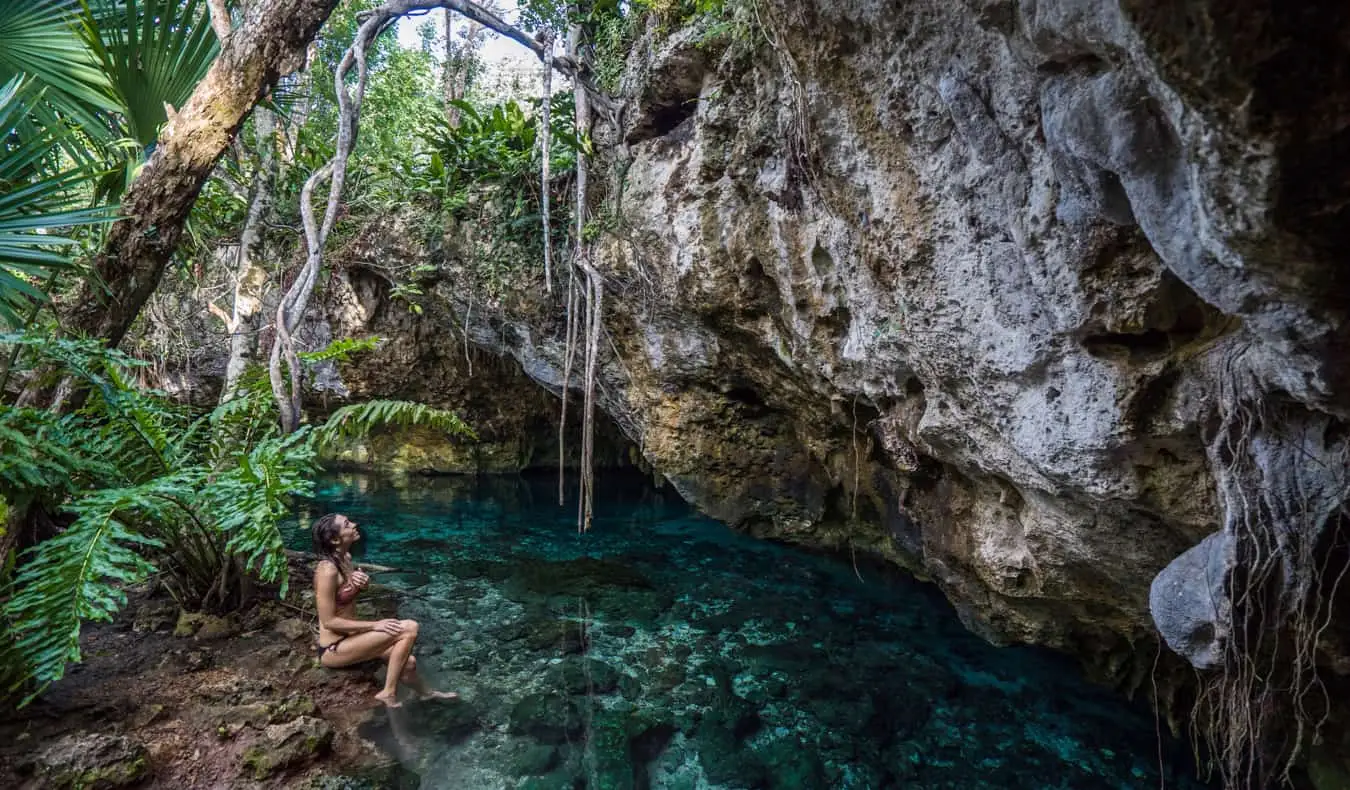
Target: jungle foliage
137 484
154 488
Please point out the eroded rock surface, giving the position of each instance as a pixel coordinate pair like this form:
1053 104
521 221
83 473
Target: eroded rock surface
979 286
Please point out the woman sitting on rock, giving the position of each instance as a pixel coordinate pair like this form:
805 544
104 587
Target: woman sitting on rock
344 640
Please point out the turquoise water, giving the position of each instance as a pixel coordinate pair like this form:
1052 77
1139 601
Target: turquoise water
662 650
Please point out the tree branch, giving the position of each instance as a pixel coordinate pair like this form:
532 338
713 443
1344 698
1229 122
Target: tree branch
269 44
564 64
220 20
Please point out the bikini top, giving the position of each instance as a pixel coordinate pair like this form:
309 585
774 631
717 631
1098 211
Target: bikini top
345 594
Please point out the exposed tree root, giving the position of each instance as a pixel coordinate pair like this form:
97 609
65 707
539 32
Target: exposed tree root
1284 485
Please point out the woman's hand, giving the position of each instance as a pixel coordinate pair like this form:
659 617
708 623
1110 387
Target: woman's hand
391 627
360 579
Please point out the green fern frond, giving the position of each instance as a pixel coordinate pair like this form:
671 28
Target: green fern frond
76 576
250 500
357 420
340 350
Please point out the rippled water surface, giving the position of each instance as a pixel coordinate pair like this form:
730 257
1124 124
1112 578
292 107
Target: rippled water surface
662 650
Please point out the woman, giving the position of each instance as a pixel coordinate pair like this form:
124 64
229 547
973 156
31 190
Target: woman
344 640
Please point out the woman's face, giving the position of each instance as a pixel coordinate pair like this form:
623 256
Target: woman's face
348 533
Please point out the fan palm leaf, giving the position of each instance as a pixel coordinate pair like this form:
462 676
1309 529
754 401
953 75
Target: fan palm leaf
154 52
42 40
38 200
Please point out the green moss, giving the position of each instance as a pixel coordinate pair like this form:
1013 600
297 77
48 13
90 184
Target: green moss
108 776
256 759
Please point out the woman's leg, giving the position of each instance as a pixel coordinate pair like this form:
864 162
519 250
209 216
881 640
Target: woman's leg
398 655
357 648
411 678
376 644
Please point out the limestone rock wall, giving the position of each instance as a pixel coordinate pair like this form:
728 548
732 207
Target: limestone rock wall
976 285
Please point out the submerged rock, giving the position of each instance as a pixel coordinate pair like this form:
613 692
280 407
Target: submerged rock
584 676
550 718
533 760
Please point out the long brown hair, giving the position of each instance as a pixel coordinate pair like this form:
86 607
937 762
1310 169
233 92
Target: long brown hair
324 533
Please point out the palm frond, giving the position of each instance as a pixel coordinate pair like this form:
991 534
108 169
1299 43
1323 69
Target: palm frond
154 53
37 204
41 39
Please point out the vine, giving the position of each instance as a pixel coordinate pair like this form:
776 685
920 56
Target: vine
1284 485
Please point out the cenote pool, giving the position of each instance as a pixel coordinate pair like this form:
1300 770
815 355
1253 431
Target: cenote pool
662 650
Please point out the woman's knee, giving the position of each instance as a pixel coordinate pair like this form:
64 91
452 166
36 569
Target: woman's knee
410 629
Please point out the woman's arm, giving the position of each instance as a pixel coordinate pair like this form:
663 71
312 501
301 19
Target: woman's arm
325 599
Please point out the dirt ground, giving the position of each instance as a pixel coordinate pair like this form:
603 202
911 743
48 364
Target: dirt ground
165 701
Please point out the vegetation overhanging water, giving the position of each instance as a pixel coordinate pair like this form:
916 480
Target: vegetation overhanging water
663 650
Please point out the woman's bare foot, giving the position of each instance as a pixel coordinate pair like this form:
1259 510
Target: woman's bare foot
389 698
429 694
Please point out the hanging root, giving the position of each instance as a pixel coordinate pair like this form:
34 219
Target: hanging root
545 132
586 286
1283 487
292 305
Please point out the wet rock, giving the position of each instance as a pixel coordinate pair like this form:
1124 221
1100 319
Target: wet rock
584 676
625 743
721 736
583 577
292 707
565 637
234 690
384 775
462 662
534 759
550 718
449 720
668 677
92 761
288 745
1185 598
230 721
630 687
791 765
558 780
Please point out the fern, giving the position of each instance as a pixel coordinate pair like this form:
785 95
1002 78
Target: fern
250 500
153 489
360 419
76 576
340 350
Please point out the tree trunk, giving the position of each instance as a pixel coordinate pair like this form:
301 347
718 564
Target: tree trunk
250 277
269 44
452 90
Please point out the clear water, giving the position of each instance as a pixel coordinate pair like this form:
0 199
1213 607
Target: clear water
662 650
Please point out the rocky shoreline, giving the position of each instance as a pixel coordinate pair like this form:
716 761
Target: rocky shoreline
169 699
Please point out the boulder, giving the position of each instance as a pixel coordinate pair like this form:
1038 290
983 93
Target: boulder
550 718
289 745
92 761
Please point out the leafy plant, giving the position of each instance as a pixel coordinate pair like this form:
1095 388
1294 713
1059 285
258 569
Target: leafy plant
38 199
485 172
153 53
197 500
